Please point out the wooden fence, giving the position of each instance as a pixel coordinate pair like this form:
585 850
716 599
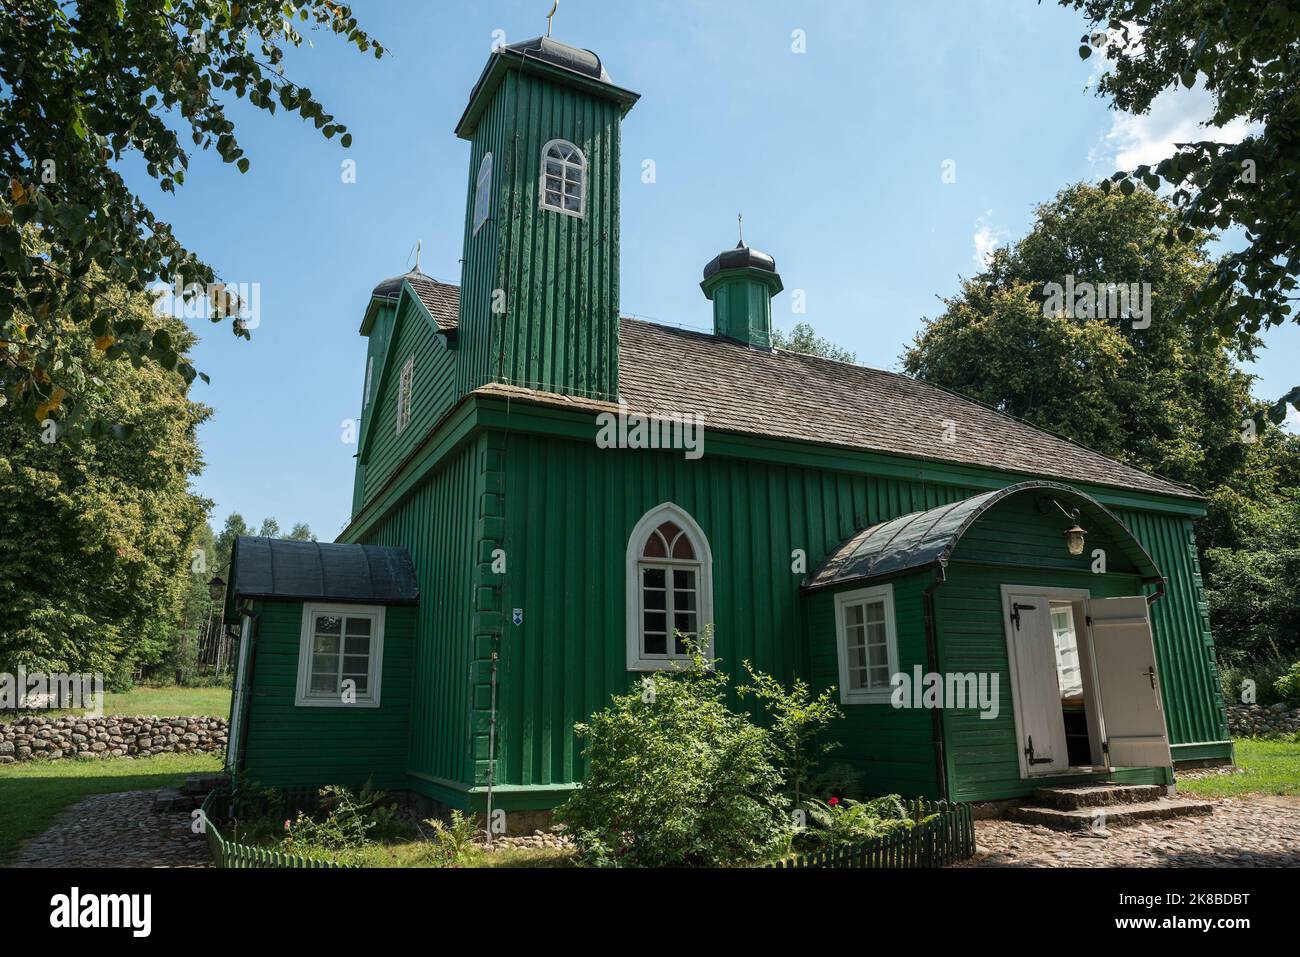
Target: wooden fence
944 839
230 854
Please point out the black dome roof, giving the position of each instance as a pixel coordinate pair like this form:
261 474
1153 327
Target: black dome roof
742 257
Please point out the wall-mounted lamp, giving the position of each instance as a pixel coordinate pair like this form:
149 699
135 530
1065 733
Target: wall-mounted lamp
1074 537
216 587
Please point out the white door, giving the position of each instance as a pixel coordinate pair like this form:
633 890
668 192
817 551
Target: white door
1130 686
1038 695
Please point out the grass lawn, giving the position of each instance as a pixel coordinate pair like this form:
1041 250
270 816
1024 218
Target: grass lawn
1269 767
420 854
33 792
166 702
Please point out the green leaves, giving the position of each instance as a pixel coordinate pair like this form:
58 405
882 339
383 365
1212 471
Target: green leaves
86 85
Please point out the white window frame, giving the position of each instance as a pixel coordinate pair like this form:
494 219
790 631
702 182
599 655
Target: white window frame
637 659
370 373
581 211
865 596
405 393
305 697
482 211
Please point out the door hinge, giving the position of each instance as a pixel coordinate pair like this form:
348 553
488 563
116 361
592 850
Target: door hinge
1016 608
1029 753
1105 746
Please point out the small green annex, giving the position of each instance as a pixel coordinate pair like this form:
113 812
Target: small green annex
546 493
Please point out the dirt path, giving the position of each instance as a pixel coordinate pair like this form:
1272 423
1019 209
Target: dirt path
1242 832
116 830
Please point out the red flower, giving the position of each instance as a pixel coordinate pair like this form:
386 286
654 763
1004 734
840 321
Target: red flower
833 802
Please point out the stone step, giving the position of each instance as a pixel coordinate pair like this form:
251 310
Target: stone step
1072 797
201 785
1115 815
172 800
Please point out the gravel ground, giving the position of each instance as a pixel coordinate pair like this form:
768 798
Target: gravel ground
1242 832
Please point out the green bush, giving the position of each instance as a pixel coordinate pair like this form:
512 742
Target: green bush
1264 670
678 779
838 822
345 821
1287 686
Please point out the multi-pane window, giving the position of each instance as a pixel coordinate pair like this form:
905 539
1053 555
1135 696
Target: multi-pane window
669 589
483 192
405 384
670 579
340 654
564 178
867 645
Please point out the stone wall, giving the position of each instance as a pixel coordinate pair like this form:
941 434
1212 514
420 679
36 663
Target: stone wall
1247 720
31 736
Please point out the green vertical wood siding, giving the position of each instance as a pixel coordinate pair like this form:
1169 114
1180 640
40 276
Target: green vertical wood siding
570 508
891 749
438 526
559 273
433 394
289 745
1193 696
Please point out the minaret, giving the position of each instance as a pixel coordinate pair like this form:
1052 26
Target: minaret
539 287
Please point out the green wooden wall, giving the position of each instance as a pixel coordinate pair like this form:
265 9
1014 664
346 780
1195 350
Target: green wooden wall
891 749
433 394
440 525
288 745
558 330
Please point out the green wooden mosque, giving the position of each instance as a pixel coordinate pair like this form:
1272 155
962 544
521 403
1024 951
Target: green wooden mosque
548 493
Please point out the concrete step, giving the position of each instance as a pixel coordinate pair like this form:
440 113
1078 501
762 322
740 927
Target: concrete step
1073 797
1104 818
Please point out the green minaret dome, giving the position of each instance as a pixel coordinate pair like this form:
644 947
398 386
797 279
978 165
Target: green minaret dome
740 283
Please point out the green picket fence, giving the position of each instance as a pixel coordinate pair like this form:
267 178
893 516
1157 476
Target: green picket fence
230 854
946 838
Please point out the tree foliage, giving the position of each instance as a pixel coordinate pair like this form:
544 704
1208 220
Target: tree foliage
1246 54
803 339
97 531
1165 398
85 86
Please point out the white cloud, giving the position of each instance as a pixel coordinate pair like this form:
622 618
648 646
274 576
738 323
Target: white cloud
1292 421
1176 116
986 240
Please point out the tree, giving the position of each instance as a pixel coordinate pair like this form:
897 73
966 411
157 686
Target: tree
1246 54
98 531
1143 388
803 339
86 85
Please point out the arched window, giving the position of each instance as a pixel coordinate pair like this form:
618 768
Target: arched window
564 178
483 193
670 588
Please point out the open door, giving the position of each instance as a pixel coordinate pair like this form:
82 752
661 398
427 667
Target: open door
1125 661
1032 652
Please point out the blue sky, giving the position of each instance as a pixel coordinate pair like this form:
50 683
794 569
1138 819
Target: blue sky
834 156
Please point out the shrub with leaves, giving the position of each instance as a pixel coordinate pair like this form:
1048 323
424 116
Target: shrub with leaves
1288 685
798 719
345 821
678 779
838 822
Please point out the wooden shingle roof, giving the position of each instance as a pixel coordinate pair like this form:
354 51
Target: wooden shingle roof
799 397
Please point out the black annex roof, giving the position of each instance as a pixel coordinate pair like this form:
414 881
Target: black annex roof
280 568
789 395
929 538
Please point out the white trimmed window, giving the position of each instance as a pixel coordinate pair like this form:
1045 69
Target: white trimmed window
405 384
483 193
370 374
564 178
669 588
340 656
868 644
